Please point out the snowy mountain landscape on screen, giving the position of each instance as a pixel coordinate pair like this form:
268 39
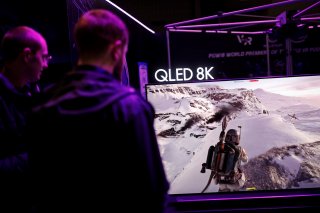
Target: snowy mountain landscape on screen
279 130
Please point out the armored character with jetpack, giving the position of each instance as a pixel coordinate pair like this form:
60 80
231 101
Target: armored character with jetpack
224 160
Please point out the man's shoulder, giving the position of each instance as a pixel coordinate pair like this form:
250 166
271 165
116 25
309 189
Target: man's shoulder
130 96
133 102
124 95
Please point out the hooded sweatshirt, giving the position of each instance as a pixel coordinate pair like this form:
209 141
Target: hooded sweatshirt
99 133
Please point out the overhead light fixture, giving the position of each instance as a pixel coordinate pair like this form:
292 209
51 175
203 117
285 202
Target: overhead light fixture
130 16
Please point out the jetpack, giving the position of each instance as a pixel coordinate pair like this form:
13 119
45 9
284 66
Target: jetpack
209 162
222 158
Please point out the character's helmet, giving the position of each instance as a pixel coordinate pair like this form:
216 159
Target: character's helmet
232 136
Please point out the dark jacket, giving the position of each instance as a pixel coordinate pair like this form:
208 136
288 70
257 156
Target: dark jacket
14 108
97 148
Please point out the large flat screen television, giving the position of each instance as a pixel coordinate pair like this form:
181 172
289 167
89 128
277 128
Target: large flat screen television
280 130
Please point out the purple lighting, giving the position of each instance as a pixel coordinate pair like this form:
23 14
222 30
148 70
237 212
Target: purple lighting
226 24
244 198
130 16
235 12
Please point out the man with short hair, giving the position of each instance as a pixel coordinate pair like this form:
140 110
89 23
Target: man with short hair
24 54
98 150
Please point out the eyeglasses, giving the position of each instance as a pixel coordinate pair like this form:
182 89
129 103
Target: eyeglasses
46 57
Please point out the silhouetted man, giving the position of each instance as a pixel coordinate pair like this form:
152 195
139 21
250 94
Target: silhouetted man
98 150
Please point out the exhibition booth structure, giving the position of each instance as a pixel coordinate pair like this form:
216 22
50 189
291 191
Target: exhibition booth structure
244 43
275 113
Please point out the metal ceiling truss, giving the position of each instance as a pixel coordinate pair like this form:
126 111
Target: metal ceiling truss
191 26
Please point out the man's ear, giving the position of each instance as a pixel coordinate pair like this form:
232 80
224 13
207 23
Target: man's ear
116 50
27 54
